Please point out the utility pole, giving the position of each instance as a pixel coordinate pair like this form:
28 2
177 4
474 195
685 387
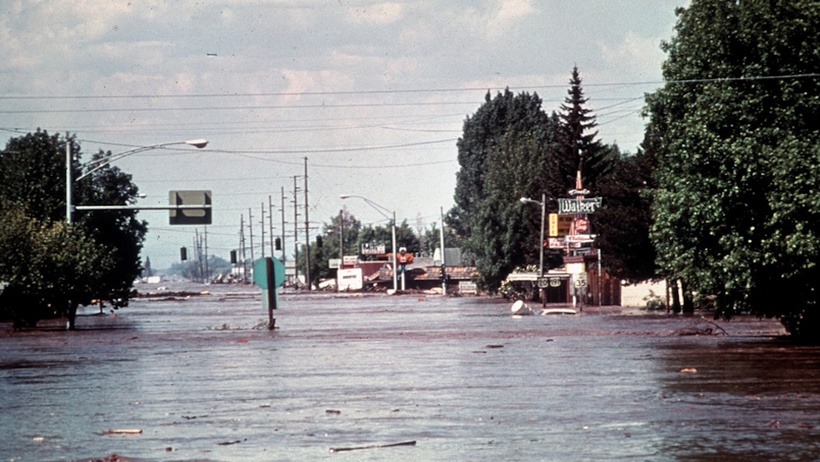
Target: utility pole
284 255
69 183
307 231
207 269
250 230
443 260
296 229
270 218
242 247
262 223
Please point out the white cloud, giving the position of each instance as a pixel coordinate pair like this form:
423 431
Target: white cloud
375 14
634 56
507 13
510 10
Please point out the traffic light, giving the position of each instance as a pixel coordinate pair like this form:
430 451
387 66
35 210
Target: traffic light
233 257
183 253
319 241
277 244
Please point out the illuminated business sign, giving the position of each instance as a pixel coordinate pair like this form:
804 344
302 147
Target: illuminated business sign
578 206
559 225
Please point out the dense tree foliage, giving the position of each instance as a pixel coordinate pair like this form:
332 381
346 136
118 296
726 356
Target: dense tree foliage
432 239
118 230
49 268
737 211
507 151
95 258
622 223
510 148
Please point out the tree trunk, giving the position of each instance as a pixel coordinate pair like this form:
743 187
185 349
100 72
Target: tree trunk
688 299
71 315
675 296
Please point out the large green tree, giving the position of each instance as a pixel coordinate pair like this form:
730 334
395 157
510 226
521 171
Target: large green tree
32 183
119 230
737 206
510 148
507 151
49 268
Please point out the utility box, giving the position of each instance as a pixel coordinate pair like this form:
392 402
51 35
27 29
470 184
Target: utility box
192 207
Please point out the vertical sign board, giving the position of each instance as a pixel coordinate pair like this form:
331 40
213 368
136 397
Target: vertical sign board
268 274
190 215
559 225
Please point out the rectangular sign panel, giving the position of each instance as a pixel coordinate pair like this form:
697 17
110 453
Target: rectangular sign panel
349 279
555 243
373 249
194 207
350 260
580 238
578 206
559 225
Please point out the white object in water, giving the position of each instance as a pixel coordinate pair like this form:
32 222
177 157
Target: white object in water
558 311
520 308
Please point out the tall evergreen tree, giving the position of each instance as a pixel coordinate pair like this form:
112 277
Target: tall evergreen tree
581 150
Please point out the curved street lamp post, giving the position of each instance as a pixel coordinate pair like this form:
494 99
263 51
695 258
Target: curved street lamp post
543 204
385 213
102 162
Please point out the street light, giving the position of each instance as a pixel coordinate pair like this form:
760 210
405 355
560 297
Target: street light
102 162
543 204
385 213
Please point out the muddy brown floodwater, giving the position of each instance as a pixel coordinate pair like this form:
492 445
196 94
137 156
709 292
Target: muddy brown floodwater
402 378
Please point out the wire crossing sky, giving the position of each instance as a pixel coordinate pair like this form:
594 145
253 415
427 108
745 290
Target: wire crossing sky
373 94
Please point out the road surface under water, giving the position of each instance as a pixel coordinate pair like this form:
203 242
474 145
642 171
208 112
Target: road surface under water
203 379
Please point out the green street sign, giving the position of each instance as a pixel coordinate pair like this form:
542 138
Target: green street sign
260 275
578 206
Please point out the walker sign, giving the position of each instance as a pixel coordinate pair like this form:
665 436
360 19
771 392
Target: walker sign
578 206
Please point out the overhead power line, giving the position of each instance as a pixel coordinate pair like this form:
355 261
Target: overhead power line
402 91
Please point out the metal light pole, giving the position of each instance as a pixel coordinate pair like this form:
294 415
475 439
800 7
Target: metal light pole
543 204
102 162
384 212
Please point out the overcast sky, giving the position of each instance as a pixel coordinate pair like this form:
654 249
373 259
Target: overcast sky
373 94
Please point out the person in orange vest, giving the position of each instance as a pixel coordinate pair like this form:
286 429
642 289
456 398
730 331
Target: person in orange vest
403 259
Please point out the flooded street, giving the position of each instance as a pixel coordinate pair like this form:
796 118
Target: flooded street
203 379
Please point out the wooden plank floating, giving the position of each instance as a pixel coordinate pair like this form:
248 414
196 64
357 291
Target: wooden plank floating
375 446
122 431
